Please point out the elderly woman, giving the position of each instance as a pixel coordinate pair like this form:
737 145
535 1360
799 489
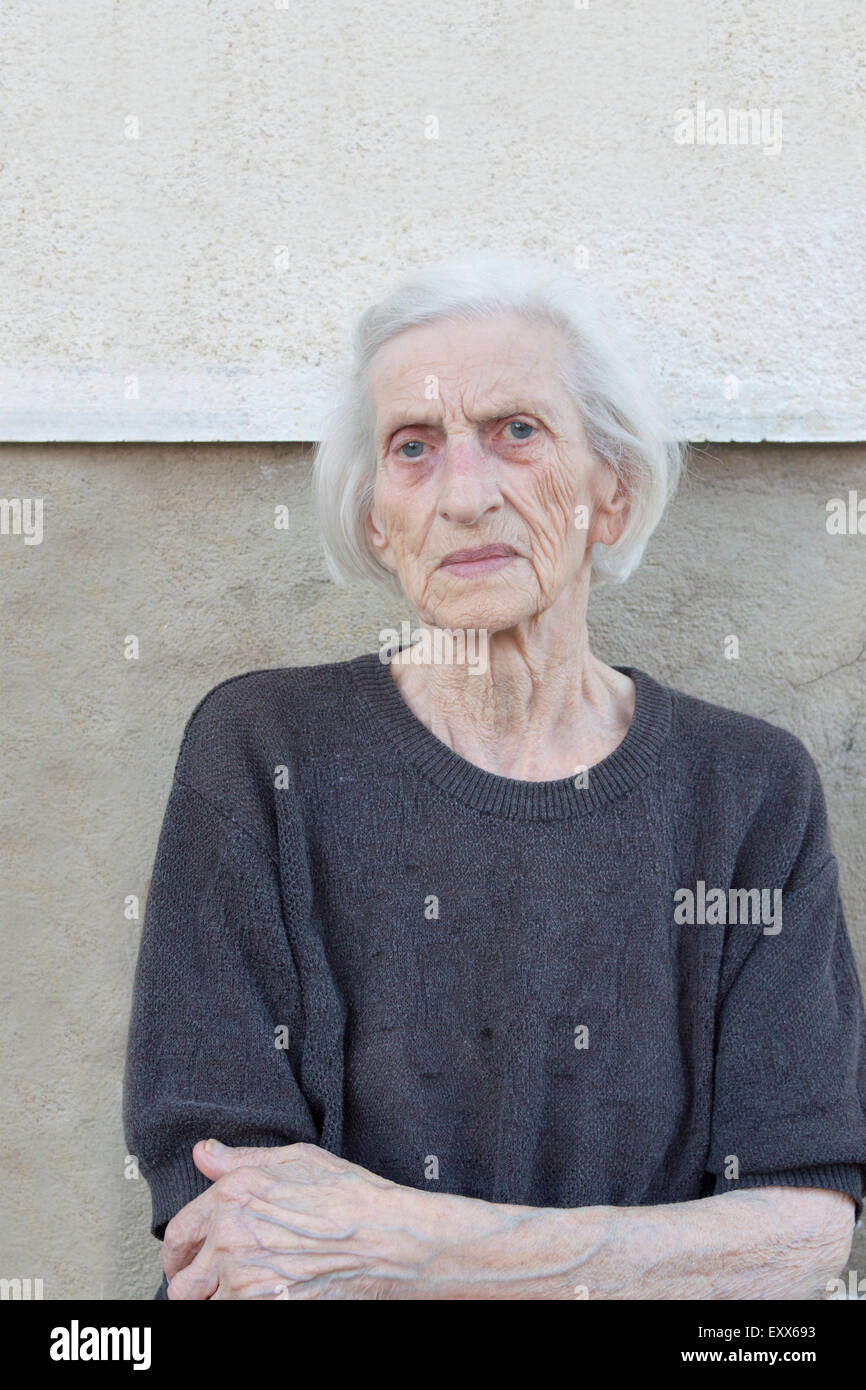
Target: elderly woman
517 977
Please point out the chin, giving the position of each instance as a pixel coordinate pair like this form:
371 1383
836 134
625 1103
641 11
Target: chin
468 615
482 605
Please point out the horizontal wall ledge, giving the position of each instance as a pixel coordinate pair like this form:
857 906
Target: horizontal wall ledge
148 404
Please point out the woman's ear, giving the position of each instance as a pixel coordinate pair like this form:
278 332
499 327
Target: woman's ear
611 511
378 538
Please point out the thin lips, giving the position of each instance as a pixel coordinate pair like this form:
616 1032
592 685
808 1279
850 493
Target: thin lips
485 552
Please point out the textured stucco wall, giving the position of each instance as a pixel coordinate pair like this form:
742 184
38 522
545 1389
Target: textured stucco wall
177 546
198 197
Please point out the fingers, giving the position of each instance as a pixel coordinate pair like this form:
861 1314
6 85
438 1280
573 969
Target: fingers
215 1159
186 1232
242 1177
199 1280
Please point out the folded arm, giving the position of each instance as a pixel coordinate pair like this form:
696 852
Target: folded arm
760 1243
300 1223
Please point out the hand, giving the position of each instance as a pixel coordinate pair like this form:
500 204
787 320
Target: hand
300 1223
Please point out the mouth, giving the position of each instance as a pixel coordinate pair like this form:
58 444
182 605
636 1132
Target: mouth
482 560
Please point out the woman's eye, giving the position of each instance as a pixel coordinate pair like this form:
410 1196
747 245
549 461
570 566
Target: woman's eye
411 444
520 425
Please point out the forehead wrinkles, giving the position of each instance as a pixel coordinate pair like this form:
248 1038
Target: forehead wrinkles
483 372
498 393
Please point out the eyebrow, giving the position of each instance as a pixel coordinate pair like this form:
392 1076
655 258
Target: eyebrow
415 416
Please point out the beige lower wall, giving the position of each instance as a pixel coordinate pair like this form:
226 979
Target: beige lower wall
176 544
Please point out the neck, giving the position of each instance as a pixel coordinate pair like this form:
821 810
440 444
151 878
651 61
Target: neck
543 707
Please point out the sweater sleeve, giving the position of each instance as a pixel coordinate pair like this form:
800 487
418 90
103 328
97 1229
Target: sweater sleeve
217 1020
789 1101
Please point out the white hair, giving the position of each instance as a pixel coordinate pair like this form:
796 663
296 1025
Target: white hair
621 417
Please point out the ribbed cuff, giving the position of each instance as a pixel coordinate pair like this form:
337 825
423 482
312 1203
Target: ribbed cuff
838 1177
172 1185
177 1181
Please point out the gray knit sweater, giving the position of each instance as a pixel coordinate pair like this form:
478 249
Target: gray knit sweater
474 984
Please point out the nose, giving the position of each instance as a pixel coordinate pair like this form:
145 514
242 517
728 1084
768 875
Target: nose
469 483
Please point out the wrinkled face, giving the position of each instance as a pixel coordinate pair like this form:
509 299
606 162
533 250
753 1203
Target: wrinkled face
482 462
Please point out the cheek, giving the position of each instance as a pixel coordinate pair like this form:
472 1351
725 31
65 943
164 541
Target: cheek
547 502
402 518
392 514
558 494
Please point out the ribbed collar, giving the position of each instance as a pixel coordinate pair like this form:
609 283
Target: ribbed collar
630 761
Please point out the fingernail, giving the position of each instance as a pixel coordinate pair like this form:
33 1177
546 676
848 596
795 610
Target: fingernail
214 1146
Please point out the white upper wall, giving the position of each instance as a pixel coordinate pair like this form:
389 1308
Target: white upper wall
198 197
